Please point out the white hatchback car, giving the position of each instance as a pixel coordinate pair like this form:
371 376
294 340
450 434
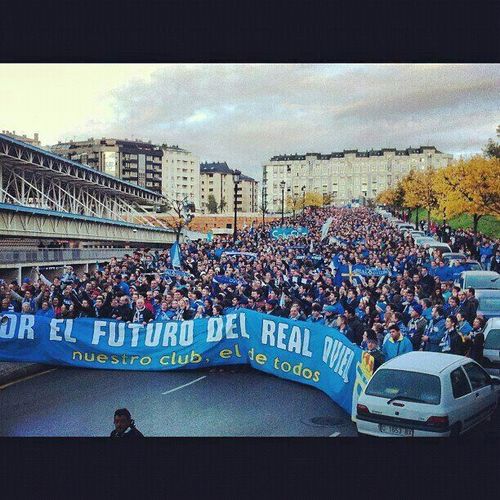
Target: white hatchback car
426 394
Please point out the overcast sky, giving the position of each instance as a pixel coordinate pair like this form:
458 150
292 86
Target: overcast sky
244 114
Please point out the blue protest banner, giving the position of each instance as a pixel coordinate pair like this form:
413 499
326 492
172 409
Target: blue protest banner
230 253
226 280
175 273
287 232
368 271
309 353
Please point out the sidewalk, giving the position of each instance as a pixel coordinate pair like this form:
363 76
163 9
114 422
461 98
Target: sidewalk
9 372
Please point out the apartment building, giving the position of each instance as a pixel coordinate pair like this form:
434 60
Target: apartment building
135 161
217 179
180 175
346 175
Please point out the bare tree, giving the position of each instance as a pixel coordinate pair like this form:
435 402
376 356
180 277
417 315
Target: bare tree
181 213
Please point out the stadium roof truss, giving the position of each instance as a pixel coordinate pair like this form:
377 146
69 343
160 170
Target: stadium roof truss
33 177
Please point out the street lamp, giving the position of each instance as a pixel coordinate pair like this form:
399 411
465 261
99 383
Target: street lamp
236 180
264 206
303 198
282 186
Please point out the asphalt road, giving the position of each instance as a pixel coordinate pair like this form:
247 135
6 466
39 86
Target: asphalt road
80 402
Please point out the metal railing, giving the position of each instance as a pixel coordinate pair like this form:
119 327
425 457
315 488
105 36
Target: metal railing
69 255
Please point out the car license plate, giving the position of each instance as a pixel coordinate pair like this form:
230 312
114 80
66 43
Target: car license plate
395 431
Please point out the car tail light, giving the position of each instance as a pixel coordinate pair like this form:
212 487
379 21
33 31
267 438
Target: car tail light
362 409
438 421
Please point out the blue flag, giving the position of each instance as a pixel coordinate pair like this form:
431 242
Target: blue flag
175 255
325 228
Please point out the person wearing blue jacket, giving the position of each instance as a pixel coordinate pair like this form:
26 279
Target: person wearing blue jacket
485 254
45 310
315 316
426 309
463 326
435 331
443 271
396 344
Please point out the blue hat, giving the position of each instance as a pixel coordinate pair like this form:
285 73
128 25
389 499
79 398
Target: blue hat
272 302
26 280
417 308
329 309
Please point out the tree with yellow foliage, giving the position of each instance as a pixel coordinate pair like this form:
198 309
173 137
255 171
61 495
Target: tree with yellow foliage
412 196
470 186
393 196
313 199
420 192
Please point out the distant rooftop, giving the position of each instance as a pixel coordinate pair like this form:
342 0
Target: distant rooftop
103 141
23 138
359 154
221 168
174 148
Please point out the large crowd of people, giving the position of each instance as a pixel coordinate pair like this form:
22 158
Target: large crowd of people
414 306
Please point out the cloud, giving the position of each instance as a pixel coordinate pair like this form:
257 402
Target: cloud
246 113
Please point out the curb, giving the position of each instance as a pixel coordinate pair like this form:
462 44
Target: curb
21 371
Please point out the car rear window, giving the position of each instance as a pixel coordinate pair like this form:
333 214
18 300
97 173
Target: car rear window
485 282
493 339
406 385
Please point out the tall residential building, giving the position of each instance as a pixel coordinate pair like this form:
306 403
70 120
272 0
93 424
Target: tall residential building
180 175
34 141
134 161
217 180
348 175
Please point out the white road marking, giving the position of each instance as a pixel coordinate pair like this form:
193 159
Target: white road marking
334 435
185 385
26 378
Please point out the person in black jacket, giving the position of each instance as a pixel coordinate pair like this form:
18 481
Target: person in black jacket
102 307
124 311
452 341
427 282
495 261
416 326
140 314
475 340
273 308
124 425
373 349
467 307
355 325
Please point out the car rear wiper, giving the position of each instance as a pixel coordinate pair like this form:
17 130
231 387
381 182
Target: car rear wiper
405 397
